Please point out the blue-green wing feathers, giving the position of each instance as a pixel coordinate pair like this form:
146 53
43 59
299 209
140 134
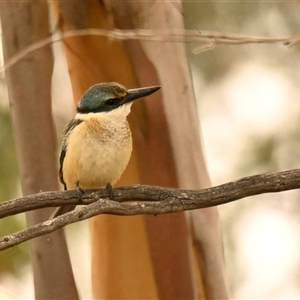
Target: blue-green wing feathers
63 149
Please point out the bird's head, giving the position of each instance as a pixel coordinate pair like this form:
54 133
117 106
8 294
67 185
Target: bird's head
107 96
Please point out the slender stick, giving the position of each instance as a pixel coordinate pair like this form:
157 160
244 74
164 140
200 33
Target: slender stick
209 38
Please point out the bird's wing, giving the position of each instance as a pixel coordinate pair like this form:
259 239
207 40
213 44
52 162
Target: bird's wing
63 149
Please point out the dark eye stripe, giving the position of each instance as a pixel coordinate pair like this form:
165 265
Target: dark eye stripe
111 102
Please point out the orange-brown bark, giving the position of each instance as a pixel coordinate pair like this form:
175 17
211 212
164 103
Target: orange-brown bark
131 258
149 257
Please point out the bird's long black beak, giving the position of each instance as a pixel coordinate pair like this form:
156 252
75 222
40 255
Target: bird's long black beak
134 94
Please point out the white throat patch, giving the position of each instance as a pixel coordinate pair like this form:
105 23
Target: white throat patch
118 114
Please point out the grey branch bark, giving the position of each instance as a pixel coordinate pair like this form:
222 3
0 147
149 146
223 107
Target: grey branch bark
208 39
140 199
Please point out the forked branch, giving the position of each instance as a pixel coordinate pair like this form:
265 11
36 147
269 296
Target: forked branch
139 199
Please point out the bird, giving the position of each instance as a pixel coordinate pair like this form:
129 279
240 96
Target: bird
97 144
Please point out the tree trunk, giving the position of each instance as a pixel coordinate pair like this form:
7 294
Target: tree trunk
148 257
29 87
170 61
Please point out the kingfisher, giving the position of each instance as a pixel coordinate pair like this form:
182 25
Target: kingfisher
96 145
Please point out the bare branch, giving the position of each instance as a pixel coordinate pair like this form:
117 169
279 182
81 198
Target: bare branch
143 200
209 38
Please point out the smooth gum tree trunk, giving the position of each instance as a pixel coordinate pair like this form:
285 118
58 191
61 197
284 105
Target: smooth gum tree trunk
29 86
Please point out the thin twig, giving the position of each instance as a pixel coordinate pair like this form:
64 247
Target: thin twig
175 36
143 200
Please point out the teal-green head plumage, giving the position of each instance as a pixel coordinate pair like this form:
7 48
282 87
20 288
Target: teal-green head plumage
105 97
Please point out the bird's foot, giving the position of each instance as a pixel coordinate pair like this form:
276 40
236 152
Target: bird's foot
79 192
110 190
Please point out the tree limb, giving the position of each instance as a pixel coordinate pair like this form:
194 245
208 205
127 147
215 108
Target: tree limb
209 38
143 200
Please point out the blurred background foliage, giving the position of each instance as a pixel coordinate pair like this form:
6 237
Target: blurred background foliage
250 110
11 260
248 97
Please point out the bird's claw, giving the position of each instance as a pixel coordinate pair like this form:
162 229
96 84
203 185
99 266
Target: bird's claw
79 192
110 190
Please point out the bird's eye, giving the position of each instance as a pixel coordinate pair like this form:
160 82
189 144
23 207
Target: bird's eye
110 102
